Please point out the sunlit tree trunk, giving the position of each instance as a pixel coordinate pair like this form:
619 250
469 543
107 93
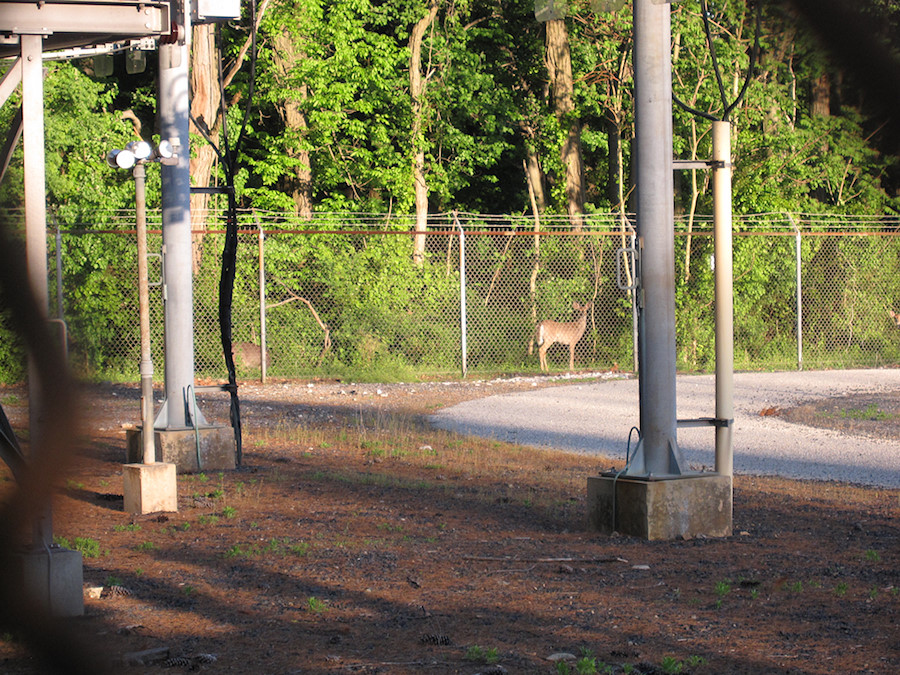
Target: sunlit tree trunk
562 90
300 183
417 94
205 106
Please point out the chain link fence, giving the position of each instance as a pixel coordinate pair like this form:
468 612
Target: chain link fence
342 297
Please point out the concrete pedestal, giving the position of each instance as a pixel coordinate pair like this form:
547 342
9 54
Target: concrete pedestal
215 449
53 579
150 488
661 508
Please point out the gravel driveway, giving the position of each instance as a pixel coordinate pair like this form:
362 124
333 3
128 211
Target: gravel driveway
596 417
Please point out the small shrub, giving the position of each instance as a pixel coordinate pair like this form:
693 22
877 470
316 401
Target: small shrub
89 548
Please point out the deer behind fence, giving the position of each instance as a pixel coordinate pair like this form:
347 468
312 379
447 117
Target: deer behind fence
568 333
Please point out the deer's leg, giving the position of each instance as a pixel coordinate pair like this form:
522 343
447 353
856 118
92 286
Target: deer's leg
572 357
542 353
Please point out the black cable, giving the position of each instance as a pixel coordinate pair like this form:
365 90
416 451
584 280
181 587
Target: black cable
712 51
694 111
754 55
229 251
751 68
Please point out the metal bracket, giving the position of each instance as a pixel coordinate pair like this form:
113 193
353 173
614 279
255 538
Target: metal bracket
625 259
705 422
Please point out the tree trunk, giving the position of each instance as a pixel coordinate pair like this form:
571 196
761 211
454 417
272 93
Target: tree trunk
535 176
205 106
562 90
417 93
300 183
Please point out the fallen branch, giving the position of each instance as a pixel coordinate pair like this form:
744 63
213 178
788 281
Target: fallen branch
326 341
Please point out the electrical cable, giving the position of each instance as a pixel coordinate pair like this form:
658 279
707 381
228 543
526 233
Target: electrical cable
628 460
754 55
227 159
10 451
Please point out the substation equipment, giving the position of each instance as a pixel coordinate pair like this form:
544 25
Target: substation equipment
31 31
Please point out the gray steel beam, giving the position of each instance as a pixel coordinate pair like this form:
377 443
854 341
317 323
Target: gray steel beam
178 410
35 235
658 452
113 18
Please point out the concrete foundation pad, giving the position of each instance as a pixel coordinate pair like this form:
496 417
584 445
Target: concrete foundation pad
213 446
678 507
53 580
150 488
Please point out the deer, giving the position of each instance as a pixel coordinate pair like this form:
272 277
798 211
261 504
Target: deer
894 317
569 333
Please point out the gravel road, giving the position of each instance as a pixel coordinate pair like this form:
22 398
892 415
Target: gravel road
596 416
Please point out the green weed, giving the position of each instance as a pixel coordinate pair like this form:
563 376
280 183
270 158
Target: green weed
478 654
229 511
316 606
671 665
146 546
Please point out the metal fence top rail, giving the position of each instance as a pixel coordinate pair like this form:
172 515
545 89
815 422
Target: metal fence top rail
472 223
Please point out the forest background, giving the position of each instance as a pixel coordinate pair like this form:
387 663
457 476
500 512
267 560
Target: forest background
396 112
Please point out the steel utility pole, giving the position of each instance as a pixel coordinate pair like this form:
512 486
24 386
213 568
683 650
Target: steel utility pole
177 411
658 453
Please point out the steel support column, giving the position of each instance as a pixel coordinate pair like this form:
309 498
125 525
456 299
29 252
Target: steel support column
658 452
178 409
721 148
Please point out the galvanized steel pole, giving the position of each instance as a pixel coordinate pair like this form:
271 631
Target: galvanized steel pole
146 366
177 411
659 453
721 179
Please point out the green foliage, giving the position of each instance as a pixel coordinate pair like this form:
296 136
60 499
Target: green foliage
480 654
89 548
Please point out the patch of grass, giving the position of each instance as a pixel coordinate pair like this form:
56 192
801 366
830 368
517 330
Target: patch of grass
722 589
481 655
208 519
74 485
146 546
841 589
131 527
694 661
671 665
282 547
870 412
113 581
872 556
229 511
89 548
316 606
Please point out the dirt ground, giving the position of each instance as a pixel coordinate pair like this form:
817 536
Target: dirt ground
353 538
